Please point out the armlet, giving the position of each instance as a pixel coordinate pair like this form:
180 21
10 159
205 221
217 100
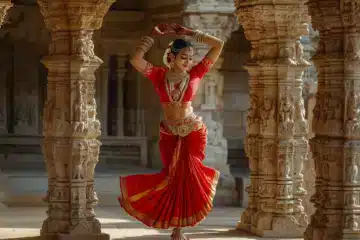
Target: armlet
207 62
148 69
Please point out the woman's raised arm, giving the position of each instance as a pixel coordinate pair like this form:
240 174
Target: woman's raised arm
215 43
137 59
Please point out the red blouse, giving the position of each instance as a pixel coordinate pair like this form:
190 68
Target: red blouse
157 76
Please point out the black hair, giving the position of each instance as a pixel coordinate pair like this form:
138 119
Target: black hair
178 45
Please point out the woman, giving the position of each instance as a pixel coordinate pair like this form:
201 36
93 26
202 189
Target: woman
182 193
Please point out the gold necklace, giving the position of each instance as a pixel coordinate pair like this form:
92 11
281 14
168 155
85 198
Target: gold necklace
176 85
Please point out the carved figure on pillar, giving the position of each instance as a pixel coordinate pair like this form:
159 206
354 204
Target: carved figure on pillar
286 115
267 113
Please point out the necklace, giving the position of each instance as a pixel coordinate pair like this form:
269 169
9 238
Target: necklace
176 85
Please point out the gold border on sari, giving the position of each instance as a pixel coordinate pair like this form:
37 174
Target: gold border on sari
193 220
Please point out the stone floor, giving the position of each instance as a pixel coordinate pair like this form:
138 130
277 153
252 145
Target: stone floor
23 223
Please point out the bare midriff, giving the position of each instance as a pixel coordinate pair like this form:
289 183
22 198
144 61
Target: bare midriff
176 111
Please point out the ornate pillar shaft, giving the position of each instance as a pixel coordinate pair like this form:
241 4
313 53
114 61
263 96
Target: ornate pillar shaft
210 96
336 121
4 7
70 124
276 141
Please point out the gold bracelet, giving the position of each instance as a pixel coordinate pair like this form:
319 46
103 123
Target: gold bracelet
148 40
200 36
145 44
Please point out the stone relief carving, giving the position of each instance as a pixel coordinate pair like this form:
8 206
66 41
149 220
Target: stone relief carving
266 162
300 157
286 115
253 119
352 48
287 55
353 114
267 113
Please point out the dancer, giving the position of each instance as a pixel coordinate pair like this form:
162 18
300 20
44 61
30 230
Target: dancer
181 195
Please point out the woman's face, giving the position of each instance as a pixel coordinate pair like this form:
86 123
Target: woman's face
183 60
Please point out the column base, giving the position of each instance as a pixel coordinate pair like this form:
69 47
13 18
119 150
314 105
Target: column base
281 227
101 236
243 227
245 221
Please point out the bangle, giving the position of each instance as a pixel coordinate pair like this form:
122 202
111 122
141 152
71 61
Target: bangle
148 40
200 36
145 44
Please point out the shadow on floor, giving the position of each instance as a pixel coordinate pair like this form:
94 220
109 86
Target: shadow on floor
193 234
202 234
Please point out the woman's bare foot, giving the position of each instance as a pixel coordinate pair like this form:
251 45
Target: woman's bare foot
177 235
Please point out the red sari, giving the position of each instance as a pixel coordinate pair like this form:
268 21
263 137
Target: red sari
181 194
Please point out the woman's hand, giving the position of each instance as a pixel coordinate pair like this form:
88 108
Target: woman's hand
181 30
162 29
170 29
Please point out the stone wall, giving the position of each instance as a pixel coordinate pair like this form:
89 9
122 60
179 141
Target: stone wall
236 88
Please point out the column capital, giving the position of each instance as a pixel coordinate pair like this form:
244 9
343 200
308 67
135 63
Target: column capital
4 7
216 24
280 19
224 6
323 15
74 14
278 25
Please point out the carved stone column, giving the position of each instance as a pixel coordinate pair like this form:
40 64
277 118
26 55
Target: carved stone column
336 122
4 6
70 124
276 141
209 98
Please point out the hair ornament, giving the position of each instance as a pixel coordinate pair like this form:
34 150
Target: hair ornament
166 58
